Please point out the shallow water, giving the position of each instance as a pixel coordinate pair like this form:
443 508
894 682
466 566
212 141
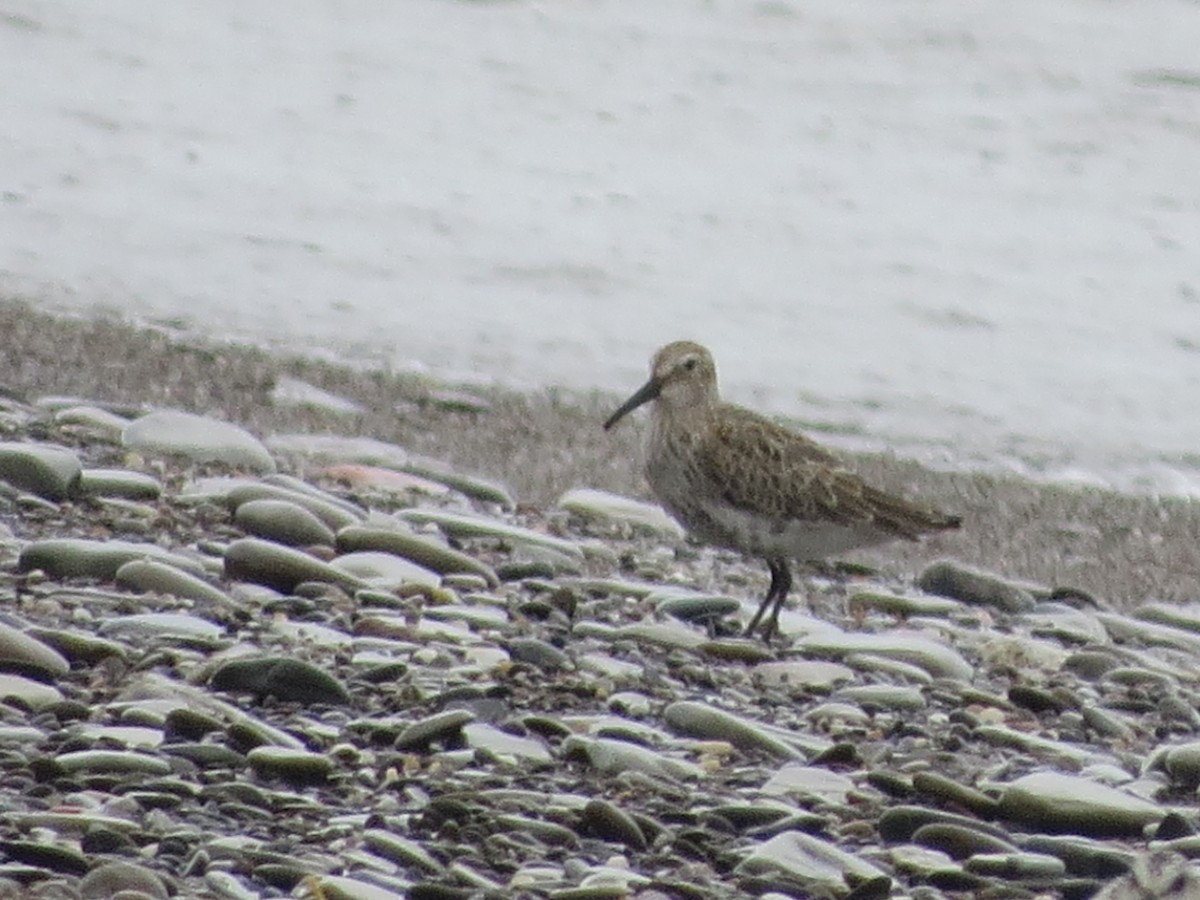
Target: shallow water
964 231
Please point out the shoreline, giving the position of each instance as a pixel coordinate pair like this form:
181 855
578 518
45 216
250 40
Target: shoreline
267 665
1123 549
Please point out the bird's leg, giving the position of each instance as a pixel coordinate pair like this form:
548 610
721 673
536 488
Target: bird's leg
781 582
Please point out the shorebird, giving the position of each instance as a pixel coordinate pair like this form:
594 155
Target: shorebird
735 479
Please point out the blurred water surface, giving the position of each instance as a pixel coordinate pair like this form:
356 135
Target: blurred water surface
964 231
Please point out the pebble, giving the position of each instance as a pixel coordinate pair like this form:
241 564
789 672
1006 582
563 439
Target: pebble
297 767
445 695
606 507
1057 803
294 392
22 651
283 678
163 578
284 522
282 568
468 526
100 560
704 721
938 659
200 439
46 470
333 513
432 555
950 579
119 483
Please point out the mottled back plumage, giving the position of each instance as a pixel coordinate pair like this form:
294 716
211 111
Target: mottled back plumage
735 478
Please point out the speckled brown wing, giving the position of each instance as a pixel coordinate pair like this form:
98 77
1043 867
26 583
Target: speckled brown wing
760 467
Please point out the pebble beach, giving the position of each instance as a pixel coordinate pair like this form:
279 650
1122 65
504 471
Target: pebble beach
277 627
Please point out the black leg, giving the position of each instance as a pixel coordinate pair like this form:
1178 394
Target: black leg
781 583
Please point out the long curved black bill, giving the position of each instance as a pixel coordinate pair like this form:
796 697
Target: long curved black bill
645 394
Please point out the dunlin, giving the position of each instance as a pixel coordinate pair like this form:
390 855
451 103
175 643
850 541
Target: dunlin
736 479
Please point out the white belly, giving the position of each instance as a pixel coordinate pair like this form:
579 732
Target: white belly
791 539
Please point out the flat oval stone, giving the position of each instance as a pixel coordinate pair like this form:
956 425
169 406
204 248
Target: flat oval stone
401 850
377 478
1082 856
537 652
612 757
938 659
200 439
894 669
100 421
906 605
1183 615
1002 736
289 391
815 863
438 727
120 483
109 878
385 571
161 578
21 650
33 694
959 841
519 750
1057 803
282 677
283 522
117 762
264 562
802 673
80 558
550 833
671 633
740 650
949 792
469 485
648 518
882 696
900 823
329 510
419 549
702 720
1181 762
341 887
300 767
1126 629
460 525
44 857
162 625
1058 620
692 606
1016 866
610 823
334 448
809 783
951 579
47 470
79 646
1091 665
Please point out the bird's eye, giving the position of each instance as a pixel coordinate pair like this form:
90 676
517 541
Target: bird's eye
690 363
